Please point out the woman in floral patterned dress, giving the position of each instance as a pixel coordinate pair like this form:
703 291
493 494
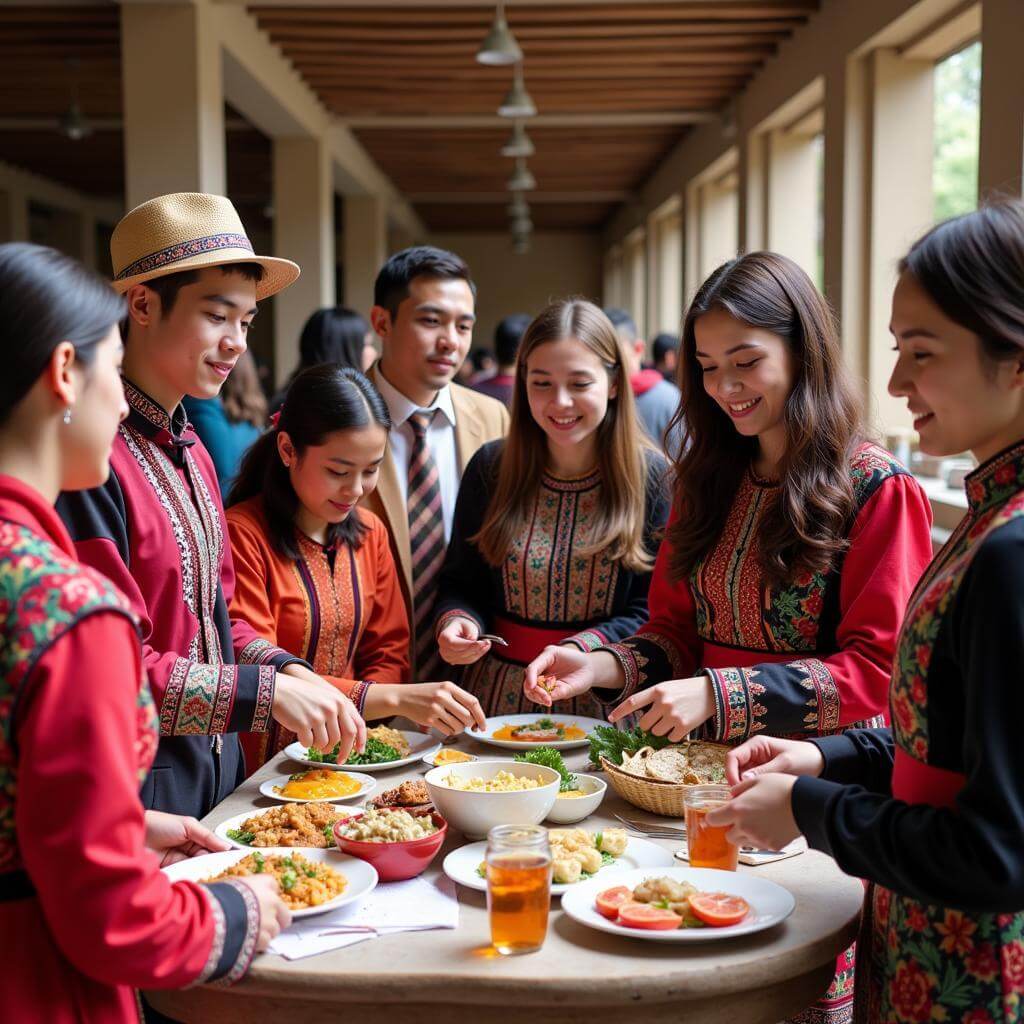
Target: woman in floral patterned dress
792 548
85 913
932 813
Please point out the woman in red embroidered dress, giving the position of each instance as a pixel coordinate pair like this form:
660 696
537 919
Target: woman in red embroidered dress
933 811
792 548
85 913
314 573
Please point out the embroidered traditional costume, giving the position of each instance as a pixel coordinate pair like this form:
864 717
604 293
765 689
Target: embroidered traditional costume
546 591
806 658
937 818
341 610
157 529
85 913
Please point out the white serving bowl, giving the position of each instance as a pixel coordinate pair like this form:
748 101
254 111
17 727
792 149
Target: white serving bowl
475 814
567 811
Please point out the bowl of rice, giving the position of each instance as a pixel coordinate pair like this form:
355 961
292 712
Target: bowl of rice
475 797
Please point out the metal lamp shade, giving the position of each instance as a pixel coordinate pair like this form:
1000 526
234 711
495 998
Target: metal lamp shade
522 180
517 102
519 143
500 46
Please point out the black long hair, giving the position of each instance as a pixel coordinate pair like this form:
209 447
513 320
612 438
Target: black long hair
333 335
972 268
46 298
319 402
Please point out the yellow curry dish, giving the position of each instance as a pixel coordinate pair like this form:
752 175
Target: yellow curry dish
318 784
448 756
543 730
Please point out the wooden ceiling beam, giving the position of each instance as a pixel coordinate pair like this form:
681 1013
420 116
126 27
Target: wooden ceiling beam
536 197
359 122
298 52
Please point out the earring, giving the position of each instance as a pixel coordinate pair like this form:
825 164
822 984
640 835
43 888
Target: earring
67 415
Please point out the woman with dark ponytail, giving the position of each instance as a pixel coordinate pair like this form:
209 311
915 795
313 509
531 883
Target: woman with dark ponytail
85 912
314 571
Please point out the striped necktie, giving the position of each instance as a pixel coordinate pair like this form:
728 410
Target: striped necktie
427 545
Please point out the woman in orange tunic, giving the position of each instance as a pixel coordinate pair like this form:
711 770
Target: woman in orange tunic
315 574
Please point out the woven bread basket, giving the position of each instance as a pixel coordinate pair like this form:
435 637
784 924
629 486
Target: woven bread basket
652 795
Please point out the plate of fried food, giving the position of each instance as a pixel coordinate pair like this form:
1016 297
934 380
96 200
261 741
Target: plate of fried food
576 855
386 748
311 882
318 784
523 732
679 904
290 825
411 796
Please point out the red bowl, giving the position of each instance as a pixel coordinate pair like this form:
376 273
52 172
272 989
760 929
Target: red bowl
394 861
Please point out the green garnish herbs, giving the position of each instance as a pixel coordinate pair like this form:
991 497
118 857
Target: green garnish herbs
241 836
288 880
260 862
614 743
551 758
376 752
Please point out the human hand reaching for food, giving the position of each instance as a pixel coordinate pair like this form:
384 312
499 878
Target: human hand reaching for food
674 708
319 715
458 643
760 813
563 671
274 915
174 837
764 755
445 706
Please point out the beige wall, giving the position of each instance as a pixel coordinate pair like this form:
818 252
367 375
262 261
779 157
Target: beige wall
558 264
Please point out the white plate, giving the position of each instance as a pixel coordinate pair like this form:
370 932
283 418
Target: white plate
361 877
769 903
367 784
420 744
500 721
256 812
460 865
429 758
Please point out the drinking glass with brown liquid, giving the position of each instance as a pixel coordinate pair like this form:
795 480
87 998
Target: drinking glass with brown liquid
518 887
707 845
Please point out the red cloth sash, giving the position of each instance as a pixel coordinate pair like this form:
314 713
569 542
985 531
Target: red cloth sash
918 783
525 642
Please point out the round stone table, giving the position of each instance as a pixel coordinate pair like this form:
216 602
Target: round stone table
580 975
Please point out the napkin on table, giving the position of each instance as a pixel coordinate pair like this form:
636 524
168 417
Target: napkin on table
418 904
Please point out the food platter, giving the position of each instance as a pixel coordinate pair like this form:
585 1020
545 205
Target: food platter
500 722
360 876
461 865
770 904
237 820
420 745
367 784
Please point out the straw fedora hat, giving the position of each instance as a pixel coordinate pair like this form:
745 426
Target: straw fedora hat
188 231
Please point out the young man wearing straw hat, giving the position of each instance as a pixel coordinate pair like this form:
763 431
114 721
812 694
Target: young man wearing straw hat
157 528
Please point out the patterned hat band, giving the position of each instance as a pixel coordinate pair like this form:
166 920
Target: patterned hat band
183 251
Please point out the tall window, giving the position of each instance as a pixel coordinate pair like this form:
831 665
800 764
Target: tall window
957 110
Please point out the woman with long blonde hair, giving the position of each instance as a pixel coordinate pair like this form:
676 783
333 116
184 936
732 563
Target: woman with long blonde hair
556 526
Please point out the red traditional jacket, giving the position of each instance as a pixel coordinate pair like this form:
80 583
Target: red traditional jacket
157 529
805 658
85 913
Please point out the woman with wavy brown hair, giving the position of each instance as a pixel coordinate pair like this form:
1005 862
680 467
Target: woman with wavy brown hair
793 545
557 525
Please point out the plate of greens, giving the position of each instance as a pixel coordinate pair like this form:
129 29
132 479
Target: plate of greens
385 749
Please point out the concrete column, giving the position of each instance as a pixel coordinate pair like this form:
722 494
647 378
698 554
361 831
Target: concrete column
753 199
901 204
719 225
669 270
303 232
13 215
1001 145
792 208
366 239
692 260
173 93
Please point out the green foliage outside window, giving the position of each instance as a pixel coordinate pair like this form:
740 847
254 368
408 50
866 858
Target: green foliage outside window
957 106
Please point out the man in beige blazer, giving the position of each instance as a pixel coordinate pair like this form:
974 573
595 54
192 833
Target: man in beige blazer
424 310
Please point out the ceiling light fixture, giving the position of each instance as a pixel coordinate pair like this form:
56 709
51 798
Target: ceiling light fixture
521 226
517 102
522 180
519 143
73 123
500 46
518 207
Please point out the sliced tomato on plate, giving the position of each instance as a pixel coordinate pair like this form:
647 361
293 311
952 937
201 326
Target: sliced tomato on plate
608 902
719 909
643 915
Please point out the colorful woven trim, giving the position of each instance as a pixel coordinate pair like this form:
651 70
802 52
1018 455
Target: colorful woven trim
182 251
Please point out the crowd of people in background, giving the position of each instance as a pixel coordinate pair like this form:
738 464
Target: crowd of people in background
714 545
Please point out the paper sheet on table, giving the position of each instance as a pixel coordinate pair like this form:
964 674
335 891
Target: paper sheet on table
418 904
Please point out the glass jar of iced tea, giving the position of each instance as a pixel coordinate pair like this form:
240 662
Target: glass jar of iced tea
518 887
707 845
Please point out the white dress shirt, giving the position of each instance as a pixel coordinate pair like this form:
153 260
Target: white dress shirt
440 440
